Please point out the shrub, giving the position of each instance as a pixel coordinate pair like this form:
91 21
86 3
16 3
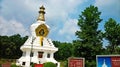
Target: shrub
49 64
66 63
0 65
14 65
33 64
90 63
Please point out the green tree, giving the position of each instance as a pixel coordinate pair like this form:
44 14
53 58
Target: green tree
112 34
64 50
89 42
5 46
10 46
18 41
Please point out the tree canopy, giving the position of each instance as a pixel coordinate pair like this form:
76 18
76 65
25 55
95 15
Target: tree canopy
64 50
112 34
10 46
89 41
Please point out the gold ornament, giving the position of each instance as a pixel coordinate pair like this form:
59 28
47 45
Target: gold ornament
42 30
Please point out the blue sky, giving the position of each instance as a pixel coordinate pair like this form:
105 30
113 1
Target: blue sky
16 16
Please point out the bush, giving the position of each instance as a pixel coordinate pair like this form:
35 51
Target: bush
49 64
14 65
33 64
90 63
63 63
0 65
66 63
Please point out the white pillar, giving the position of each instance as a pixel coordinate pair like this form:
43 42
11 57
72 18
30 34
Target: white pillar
35 54
35 57
45 55
27 63
51 55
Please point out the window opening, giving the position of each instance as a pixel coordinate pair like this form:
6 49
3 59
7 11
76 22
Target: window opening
40 54
48 55
23 63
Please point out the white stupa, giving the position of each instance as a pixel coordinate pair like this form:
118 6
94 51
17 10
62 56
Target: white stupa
104 64
38 48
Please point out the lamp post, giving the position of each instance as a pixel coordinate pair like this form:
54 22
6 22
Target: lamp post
33 38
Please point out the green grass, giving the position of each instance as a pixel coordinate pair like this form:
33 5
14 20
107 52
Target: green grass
2 61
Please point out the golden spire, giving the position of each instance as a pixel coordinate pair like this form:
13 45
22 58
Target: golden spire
41 14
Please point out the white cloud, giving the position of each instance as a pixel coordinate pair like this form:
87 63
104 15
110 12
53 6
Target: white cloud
59 9
69 28
26 12
11 27
55 9
109 8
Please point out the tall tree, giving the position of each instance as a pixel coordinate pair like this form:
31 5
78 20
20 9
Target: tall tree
112 34
89 41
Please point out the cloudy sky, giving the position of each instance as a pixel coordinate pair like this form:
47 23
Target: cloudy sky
16 16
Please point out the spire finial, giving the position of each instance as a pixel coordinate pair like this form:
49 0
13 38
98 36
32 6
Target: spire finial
104 64
41 14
